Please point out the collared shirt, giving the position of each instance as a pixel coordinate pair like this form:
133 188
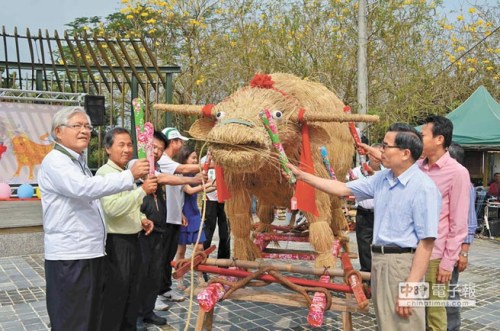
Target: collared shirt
406 207
472 222
72 222
122 210
453 182
368 203
174 193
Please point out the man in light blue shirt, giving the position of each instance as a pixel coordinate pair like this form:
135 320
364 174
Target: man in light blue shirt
407 207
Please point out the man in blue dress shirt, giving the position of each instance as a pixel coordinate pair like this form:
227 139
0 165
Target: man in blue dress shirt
407 206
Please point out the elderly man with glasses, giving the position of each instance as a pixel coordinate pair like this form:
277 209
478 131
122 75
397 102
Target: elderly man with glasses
74 229
407 205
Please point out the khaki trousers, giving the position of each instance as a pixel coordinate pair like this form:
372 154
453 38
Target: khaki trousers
436 316
388 270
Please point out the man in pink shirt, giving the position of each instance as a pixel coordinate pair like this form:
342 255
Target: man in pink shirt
453 182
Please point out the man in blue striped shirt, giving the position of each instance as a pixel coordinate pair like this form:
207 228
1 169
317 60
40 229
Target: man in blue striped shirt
453 312
407 207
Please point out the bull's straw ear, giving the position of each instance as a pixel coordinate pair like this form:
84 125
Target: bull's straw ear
336 117
188 110
200 128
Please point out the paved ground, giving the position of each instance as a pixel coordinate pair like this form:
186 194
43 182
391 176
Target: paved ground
22 300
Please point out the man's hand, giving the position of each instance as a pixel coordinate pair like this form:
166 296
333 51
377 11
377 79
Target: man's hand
462 263
140 168
403 312
147 226
373 151
184 221
150 184
443 276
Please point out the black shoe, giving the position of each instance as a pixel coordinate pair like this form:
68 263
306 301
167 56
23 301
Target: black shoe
140 325
155 319
205 276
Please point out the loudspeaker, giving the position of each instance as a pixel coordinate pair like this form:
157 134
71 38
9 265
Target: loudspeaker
95 107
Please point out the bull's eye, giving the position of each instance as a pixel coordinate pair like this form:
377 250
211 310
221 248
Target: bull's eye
220 115
277 115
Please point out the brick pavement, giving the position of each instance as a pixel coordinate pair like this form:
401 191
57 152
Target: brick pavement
22 300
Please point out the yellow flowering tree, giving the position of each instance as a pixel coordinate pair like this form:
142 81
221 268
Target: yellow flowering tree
421 59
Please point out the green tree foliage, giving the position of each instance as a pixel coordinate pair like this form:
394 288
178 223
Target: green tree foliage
420 61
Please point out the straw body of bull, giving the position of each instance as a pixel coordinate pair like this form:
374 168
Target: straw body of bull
240 144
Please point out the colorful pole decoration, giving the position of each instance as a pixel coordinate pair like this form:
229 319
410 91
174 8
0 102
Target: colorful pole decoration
144 134
270 126
353 278
357 141
206 165
326 162
318 305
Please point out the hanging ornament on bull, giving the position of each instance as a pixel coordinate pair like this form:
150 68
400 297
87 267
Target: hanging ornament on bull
272 130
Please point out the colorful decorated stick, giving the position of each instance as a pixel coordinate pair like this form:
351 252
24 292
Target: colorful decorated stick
206 165
353 278
326 162
268 121
318 305
357 141
329 168
144 135
214 292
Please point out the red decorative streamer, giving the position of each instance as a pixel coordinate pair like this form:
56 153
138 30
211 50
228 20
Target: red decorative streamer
305 193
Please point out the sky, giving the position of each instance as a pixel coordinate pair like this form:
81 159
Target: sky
50 14
53 14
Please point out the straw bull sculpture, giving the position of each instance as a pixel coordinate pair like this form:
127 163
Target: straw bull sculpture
307 116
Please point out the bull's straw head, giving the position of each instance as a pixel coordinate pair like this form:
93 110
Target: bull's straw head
237 136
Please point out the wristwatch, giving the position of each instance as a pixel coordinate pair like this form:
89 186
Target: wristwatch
464 254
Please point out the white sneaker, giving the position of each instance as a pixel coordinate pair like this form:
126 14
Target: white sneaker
160 305
172 295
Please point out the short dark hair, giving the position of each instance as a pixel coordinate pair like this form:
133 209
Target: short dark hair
407 137
457 152
441 127
109 138
161 137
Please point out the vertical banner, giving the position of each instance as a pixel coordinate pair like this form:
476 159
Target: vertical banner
24 132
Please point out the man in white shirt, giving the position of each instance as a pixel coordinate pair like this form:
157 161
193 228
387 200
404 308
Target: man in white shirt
75 233
175 201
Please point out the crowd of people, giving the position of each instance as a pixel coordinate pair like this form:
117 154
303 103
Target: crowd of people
110 238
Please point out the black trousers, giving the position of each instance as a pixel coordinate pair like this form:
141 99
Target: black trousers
364 237
215 215
74 293
152 252
171 240
121 304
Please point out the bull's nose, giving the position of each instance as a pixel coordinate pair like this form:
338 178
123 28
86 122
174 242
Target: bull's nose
237 121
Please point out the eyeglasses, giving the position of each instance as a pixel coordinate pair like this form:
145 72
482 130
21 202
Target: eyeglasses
79 126
384 146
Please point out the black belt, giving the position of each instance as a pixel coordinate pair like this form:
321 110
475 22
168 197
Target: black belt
392 249
364 210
